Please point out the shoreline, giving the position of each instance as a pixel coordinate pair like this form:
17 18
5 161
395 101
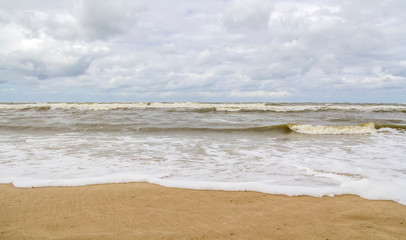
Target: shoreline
149 211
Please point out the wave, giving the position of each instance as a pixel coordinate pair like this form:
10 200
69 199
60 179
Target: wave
37 108
366 128
209 107
361 129
391 126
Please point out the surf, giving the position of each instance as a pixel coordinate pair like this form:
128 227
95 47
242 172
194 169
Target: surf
366 128
205 107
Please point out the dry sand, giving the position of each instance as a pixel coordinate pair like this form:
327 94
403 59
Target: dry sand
147 211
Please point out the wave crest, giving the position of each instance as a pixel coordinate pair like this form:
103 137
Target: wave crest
366 128
209 107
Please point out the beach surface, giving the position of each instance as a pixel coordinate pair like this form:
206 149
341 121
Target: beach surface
147 211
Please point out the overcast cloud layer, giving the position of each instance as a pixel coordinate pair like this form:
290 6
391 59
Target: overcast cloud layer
212 50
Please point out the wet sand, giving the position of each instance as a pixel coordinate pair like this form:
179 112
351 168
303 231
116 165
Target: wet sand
147 211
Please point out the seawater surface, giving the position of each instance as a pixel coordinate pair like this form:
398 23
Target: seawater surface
292 148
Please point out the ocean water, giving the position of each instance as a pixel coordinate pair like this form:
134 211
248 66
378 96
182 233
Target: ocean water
292 149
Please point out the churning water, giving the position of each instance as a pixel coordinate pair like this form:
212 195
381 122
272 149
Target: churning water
293 149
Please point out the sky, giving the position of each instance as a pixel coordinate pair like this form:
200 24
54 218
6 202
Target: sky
203 51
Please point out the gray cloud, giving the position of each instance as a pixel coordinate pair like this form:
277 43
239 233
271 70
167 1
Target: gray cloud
246 15
105 19
47 58
205 51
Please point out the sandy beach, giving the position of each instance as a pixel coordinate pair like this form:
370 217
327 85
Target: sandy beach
147 211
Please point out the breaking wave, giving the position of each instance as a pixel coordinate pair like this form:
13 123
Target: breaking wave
361 129
208 107
366 128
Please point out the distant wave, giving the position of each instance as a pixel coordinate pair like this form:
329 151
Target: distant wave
208 107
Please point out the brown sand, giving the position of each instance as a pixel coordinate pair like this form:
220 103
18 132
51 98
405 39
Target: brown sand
147 211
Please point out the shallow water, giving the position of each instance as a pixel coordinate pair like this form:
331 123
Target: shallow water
293 149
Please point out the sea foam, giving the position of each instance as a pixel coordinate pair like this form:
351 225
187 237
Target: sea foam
221 107
327 152
367 128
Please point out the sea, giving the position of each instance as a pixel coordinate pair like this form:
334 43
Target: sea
315 149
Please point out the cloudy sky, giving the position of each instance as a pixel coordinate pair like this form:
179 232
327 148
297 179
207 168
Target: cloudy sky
208 50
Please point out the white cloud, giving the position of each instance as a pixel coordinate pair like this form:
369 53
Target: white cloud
45 57
376 82
204 50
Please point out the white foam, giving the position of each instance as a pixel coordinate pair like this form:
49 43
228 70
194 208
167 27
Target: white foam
26 182
365 162
373 190
229 107
367 128
364 188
